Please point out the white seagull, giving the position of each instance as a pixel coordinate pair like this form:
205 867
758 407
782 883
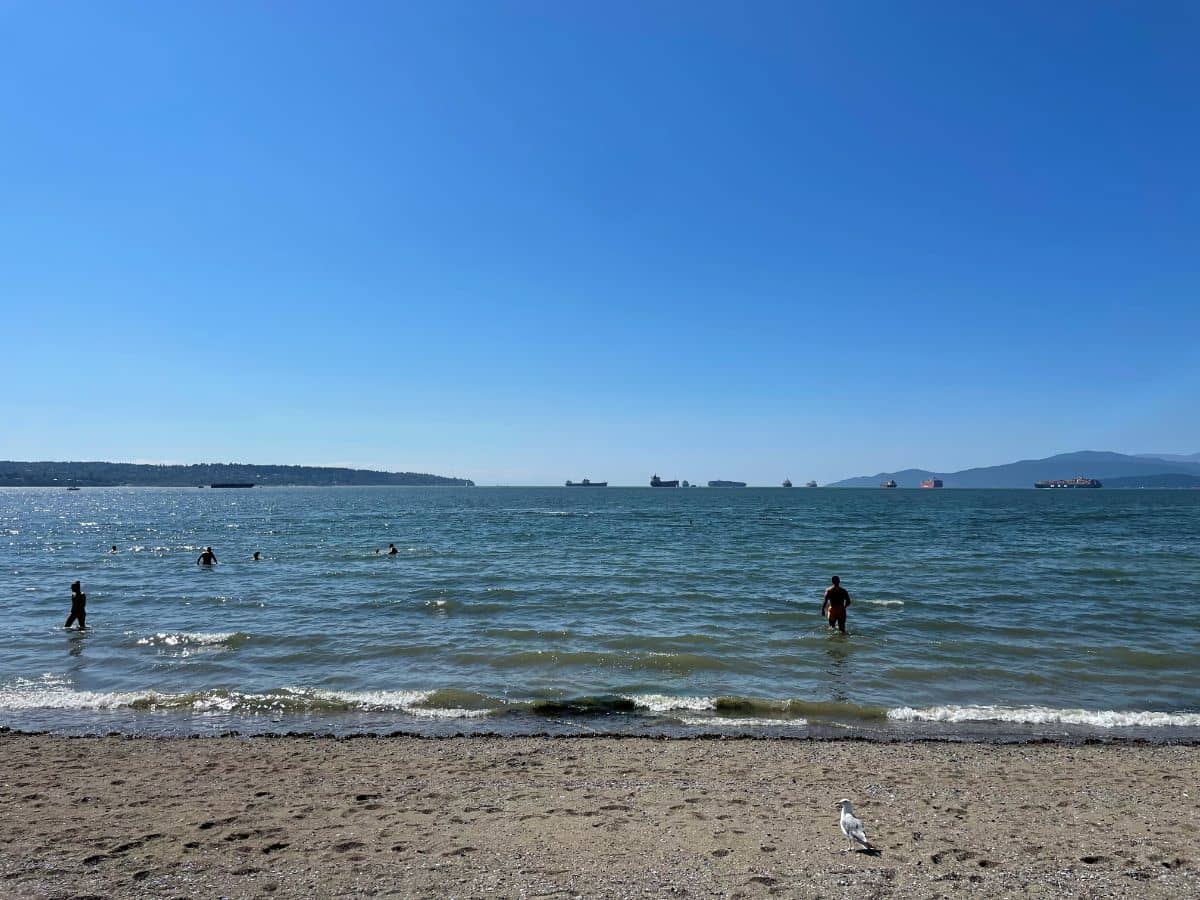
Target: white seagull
852 827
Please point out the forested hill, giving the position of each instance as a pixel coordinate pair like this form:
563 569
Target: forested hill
102 474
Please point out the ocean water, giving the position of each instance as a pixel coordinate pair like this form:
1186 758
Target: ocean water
625 610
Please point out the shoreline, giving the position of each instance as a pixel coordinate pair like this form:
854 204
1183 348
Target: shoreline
183 724
989 736
580 816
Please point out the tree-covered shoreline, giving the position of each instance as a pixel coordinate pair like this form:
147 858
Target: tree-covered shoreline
109 474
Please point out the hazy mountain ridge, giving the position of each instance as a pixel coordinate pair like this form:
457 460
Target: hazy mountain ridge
107 474
1172 457
1023 473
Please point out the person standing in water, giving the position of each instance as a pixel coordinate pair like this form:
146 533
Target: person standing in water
837 598
207 558
78 607
392 551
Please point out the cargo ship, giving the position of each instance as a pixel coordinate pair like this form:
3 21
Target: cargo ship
890 483
787 482
811 484
719 483
1079 482
587 483
931 483
233 484
655 481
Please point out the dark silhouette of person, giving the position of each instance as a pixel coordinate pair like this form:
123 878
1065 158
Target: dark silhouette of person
78 607
257 556
207 558
392 551
837 598
114 549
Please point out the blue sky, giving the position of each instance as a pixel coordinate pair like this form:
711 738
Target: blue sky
527 242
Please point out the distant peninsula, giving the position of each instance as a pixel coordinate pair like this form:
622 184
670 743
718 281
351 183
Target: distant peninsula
108 474
1116 470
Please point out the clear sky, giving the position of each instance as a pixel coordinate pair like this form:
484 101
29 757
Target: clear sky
524 242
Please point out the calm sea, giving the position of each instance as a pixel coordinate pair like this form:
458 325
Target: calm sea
611 610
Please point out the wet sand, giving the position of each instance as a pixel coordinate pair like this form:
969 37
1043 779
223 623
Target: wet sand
591 817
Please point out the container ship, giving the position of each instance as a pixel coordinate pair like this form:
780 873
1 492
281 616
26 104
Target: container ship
587 483
1079 482
655 481
720 483
931 483
890 483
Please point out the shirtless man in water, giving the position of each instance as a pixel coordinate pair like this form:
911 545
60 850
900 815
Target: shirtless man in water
78 607
207 558
837 598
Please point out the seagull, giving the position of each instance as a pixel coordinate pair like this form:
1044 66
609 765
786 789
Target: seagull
852 827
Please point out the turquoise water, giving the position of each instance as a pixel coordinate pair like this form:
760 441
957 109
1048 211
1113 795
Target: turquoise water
619 609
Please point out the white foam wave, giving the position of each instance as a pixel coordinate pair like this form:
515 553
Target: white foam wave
729 722
373 700
428 712
1044 715
870 602
53 692
664 702
191 638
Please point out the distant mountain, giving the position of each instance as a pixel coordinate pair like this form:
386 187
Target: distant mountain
1154 481
103 474
1022 474
1172 457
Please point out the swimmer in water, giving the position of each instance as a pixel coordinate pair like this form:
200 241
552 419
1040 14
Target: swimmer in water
78 607
837 598
257 556
207 558
392 551
114 549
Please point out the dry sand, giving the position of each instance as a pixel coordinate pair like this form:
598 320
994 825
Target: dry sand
591 817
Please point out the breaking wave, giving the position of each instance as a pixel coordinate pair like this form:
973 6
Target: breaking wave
228 639
1044 715
56 693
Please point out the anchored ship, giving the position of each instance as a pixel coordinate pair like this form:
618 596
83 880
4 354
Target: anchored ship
890 483
1079 482
811 484
931 483
720 483
233 484
587 483
787 482
655 481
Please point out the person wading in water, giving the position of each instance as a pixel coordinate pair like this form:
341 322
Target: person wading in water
78 607
837 598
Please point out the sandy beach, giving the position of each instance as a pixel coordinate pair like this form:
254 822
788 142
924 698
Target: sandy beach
539 817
